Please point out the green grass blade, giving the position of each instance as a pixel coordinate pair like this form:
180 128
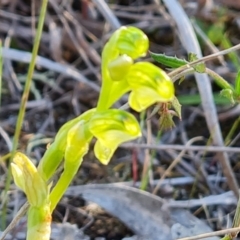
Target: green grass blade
196 99
24 99
237 83
233 130
232 55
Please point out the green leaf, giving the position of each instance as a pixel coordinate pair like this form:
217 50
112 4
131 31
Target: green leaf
216 32
168 61
233 56
195 99
149 85
111 128
177 107
237 83
228 93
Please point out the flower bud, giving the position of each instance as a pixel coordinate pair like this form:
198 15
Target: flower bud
27 178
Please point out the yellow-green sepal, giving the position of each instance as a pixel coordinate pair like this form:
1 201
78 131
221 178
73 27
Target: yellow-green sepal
112 128
149 85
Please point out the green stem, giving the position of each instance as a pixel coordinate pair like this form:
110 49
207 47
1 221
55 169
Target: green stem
24 99
62 185
182 74
202 60
233 129
106 80
105 89
219 80
39 222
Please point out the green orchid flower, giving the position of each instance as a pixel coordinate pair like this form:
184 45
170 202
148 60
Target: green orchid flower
111 128
147 82
55 152
77 144
149 85
125 45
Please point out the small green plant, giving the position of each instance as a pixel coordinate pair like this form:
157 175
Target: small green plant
147 85
122 72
